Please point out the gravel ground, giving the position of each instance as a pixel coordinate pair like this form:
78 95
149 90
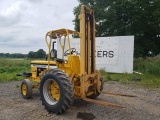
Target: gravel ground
146 106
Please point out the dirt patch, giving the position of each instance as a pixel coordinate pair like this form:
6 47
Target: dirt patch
85 116
146 106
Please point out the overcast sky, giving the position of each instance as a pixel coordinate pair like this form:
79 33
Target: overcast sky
24 23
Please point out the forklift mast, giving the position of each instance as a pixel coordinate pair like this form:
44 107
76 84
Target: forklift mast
87 41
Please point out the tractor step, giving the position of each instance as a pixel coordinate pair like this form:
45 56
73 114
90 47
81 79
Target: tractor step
102 102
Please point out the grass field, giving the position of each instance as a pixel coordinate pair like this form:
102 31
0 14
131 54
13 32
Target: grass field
150 68
150 77
10 67
146 80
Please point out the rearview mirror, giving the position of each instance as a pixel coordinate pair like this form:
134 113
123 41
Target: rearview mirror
53 54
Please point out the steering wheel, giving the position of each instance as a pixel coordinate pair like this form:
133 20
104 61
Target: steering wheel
73 50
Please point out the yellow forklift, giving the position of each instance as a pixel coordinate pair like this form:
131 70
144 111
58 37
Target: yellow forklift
61 80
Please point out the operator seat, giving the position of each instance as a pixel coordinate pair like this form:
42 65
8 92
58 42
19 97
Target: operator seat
59 60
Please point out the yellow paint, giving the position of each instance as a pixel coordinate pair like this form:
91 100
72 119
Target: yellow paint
86 82
24 89
34 71
54 89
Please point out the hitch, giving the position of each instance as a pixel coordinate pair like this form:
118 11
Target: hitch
25 74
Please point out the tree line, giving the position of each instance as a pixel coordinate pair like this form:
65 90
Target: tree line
39 54
140 18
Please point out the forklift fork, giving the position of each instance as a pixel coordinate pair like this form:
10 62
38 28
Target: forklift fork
107 103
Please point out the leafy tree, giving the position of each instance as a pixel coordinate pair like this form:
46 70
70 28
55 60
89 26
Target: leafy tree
127 17
31 54
13 55
40 53
2 54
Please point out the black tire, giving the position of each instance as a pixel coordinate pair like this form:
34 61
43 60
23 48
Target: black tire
65 90
97 93
26 89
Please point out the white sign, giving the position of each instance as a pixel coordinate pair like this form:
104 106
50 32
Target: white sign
114 54
107 50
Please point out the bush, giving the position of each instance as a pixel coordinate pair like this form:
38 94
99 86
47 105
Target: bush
147 66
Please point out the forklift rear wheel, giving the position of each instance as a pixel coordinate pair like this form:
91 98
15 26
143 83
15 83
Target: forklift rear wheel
56 91
26 89
97 93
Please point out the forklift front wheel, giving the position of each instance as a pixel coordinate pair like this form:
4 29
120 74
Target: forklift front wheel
26 89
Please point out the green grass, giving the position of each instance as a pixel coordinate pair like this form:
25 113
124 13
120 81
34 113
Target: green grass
150 68
10 67
150 77
146 80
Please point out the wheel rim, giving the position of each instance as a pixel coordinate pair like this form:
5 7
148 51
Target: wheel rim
51 91
24 89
